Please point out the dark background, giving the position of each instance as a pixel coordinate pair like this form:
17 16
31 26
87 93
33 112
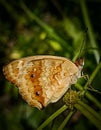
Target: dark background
52 27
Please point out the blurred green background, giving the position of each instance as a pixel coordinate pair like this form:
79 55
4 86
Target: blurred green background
47 27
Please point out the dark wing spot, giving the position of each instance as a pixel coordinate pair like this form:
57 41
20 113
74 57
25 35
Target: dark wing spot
32 76
37 93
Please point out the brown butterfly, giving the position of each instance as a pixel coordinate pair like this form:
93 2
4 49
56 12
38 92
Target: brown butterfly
43 79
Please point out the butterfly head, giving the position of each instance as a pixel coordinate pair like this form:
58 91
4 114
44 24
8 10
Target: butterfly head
79 63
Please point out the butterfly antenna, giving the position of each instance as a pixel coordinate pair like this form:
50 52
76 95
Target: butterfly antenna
82 51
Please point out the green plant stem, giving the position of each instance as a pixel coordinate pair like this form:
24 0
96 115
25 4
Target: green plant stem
90 30
93 75
46 27
63 108
92 115
66 120
91 110
87 94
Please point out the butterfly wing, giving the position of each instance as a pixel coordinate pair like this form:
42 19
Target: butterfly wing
41 79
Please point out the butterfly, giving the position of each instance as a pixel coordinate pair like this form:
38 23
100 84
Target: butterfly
43 79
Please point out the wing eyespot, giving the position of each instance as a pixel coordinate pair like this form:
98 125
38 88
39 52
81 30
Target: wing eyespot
32 75
37 93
